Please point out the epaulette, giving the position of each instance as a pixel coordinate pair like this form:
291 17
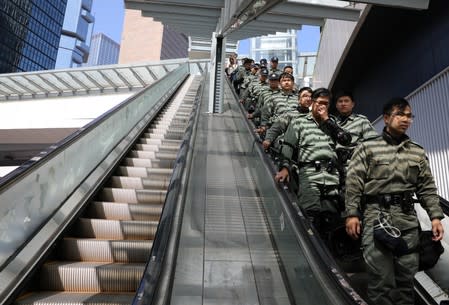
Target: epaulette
358 115
417 144
371 138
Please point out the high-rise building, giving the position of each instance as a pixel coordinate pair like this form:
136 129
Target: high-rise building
29 34
103 51
144 39
281 45
306 65
76 33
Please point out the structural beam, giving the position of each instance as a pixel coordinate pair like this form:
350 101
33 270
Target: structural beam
410 4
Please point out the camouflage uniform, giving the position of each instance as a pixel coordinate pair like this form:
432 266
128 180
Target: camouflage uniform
318 180
265 94
382 166
358 126
254 89
276 105
280 126
360 129
241 74
275 70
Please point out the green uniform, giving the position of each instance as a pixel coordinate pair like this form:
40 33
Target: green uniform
265 94
254 89
276 105
378 168
359 127
276 70
280 125
318 179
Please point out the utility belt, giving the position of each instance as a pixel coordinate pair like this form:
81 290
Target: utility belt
328 165
385 201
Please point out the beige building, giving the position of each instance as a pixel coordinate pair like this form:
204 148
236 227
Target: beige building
144 39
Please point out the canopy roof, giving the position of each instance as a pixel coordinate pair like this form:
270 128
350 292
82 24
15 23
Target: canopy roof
240 19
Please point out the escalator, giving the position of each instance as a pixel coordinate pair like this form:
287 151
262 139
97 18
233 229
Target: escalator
103 254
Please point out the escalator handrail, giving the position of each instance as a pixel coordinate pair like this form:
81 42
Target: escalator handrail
155 286
317 254
7 293
59 147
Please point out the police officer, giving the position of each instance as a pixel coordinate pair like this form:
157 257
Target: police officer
241 72
274 61
383 174
265 94
285 100
318 178
280 126
254 89
357 125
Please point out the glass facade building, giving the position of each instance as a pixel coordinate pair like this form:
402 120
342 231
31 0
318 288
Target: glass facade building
306 66
103 51
76 34
281 45
30 31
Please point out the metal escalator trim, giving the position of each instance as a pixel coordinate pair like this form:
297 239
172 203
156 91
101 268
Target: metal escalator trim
59 298
323 265
26 259
155 287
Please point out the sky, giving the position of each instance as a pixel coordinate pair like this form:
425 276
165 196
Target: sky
109 16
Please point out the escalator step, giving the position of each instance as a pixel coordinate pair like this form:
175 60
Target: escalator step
152 173
138 183
95 250
124 211
116 229
67 298
152 154
132 196
91 276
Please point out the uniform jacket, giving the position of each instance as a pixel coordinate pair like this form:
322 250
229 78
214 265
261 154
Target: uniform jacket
384 165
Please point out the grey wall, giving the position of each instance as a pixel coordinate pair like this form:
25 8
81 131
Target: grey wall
394 53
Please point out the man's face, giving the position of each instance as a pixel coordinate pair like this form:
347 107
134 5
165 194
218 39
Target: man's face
319 105
286 83
398 121
274 64
288 70
344 105
305 99
274 84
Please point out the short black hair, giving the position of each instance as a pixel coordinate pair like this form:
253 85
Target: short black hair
308 89
287 75
321 92
342 93
285 67
399 102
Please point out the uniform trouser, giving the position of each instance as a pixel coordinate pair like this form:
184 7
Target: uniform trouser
390 278
320 203
311 194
